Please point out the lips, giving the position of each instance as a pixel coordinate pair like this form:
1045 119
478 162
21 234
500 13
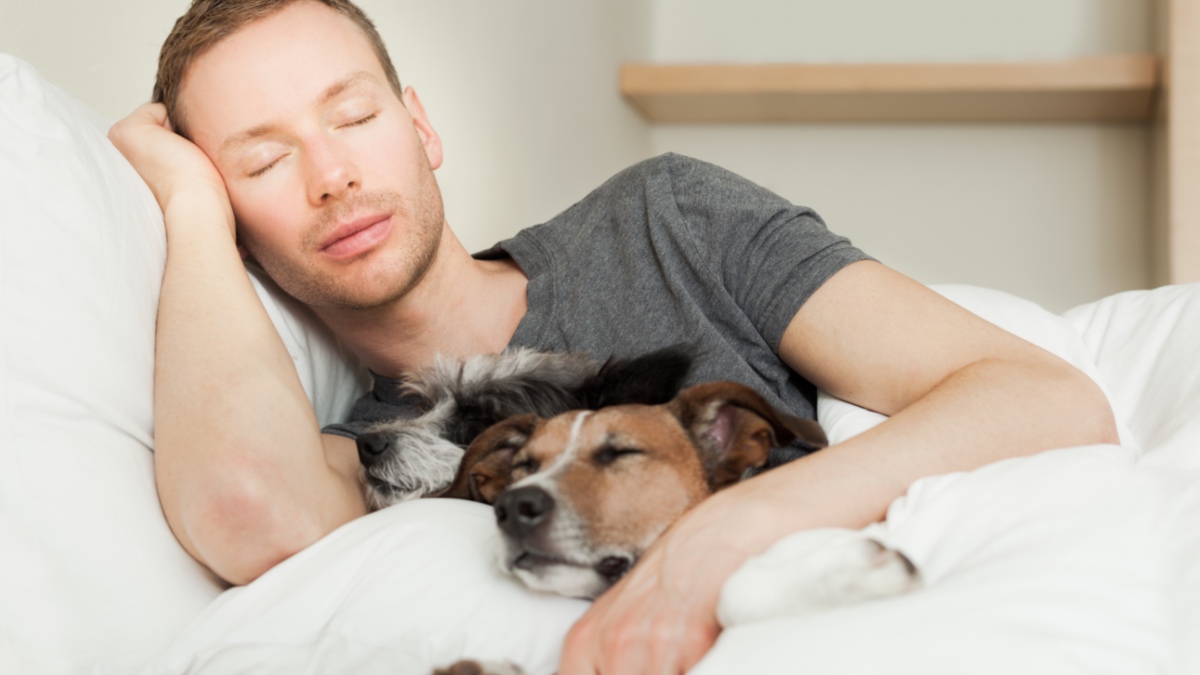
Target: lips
530 560
355 237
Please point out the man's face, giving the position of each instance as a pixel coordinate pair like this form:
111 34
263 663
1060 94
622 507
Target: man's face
330 175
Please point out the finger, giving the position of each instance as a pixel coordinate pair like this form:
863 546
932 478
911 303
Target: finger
125 130
158 113
149 113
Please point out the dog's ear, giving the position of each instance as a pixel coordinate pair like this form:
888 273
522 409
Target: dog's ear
734 429
487 463
651 379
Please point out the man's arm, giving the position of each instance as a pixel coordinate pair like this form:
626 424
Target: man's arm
961 393
244 475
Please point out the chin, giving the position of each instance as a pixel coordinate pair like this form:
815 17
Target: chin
583 576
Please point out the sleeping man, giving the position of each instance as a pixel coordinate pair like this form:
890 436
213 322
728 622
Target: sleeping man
280 131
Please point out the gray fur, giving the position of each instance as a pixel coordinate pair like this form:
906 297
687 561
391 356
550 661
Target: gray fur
424 453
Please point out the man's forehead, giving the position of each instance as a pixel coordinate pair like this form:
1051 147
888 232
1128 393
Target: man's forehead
273 67
360 80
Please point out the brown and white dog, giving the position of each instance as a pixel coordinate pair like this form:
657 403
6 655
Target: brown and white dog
580 496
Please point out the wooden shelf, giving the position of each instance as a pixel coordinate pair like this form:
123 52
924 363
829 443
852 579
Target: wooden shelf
1118 88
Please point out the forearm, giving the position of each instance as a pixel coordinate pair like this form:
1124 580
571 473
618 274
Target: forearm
985 412
241 468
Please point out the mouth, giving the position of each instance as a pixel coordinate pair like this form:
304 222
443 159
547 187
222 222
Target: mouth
531 561
609 568
355 237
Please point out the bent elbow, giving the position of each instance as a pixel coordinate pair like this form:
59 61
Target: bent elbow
1095 419
240 528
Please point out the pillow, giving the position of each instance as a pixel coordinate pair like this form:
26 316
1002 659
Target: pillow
1145 346
93 576
401 590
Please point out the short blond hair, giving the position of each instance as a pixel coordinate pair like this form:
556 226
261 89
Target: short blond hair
207 22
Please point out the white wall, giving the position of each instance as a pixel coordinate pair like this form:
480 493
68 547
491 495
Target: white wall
1055 213
896 30
104 53
524 93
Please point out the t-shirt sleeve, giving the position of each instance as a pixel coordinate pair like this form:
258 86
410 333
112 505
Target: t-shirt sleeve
770 255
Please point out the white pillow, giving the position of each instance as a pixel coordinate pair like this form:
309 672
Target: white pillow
1146 345
401 590
92 576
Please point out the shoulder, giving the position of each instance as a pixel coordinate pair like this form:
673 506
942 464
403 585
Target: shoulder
670 171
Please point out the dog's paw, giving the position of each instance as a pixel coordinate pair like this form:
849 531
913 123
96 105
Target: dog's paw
472 667
813 570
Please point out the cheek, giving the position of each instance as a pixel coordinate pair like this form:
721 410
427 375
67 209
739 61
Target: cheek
262 212
385 164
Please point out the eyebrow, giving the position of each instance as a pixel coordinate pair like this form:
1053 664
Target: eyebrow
333 91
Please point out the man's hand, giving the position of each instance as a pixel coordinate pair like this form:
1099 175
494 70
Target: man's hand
662 617
170 164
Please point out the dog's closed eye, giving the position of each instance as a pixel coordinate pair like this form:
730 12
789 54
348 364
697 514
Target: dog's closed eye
526 465
608 454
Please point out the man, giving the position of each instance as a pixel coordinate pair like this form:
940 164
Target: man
298 130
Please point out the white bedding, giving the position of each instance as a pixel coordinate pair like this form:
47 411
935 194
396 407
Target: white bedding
1079 560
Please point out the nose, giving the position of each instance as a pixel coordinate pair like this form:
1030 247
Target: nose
373 447
521 511
333 173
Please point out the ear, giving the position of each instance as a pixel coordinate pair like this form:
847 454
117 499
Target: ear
734 429
424 128
650 379
487 463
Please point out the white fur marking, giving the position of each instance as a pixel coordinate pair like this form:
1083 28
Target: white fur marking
546 478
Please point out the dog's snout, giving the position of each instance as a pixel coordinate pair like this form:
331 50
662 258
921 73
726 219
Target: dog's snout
373 447
520 511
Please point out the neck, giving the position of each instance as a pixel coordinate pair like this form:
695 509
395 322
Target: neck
459 308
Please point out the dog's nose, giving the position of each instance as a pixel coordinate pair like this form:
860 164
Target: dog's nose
520 511
373 447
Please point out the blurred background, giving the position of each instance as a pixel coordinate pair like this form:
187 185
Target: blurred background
525 96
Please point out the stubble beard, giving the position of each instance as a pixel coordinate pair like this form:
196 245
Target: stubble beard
385 280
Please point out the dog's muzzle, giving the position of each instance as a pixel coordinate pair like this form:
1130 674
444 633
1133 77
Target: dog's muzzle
524 516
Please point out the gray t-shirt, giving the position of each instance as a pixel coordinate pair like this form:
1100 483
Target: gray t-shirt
672 250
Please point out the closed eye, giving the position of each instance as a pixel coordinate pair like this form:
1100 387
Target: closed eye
261 171
528 465
364 120
609 454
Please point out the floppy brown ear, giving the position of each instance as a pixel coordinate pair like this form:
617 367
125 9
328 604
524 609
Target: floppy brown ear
734 429
487 464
